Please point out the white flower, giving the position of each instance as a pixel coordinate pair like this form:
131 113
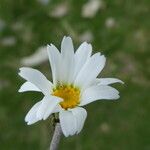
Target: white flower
75 84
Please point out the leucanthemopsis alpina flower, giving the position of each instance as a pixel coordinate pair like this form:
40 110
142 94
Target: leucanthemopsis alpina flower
75 84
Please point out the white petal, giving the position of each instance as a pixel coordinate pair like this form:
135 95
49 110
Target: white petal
47 106
67 60
68 123
107 81
80 115
57 109
98 92
28 86
82 54
37 78
31 115
34 120
54 58
67 46
90 70
53 108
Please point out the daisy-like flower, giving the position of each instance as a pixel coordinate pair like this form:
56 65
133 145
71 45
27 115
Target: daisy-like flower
75 84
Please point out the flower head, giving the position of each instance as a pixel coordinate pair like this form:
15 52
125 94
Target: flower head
74 85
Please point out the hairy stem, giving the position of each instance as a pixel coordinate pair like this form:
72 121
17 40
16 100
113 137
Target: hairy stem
56 137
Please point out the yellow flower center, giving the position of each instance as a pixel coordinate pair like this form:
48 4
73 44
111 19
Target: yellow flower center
69 94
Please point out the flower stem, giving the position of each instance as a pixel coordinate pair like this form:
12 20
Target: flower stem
56 137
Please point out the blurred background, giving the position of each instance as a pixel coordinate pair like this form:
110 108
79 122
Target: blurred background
117 28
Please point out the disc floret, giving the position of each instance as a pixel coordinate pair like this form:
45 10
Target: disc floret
69 94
